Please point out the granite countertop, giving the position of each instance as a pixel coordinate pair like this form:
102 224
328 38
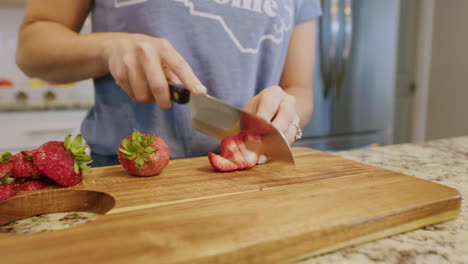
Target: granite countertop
442 161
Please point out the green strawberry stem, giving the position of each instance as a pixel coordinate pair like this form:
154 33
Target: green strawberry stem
7 179
77 151
138 148
27 156
5 156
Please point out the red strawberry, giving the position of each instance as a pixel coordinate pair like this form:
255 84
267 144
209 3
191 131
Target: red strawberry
234 150
143 154
18 183
250 157
6 164
63 162
7 189
23 165
220 163
230 151
33 184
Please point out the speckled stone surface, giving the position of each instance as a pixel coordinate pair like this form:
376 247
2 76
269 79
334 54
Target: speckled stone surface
442 161
48 222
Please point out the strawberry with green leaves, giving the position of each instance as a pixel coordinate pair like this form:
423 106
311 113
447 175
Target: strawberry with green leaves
7 189
63 162
6 164
23 165
143 154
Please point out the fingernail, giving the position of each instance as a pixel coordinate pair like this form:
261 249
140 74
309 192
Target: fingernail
201 88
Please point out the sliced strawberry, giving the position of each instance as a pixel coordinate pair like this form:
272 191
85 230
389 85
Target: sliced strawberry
250 157
32 185
230 151
220 163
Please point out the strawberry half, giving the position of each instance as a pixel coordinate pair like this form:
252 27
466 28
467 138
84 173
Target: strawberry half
7 189
230 151
221 164
6 164
23 165
143 154
64 161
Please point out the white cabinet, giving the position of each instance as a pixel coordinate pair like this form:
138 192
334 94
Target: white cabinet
28 130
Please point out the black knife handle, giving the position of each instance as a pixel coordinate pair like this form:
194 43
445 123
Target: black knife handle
179 93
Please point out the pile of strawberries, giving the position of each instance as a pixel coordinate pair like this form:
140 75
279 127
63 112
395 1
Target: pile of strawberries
235 155
55 162
63 162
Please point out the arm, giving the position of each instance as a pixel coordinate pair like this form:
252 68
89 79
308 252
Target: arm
51 48
292 101
299 68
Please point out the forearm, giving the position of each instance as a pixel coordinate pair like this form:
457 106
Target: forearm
299 67
304 102
52 52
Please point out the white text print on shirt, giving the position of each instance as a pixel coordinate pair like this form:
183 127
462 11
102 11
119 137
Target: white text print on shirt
123 3
281 11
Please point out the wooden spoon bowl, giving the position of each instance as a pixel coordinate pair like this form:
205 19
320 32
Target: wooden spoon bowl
33 204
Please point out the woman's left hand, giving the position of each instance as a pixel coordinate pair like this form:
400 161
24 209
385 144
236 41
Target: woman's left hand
278 107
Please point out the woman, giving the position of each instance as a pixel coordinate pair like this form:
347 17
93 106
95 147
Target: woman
256 54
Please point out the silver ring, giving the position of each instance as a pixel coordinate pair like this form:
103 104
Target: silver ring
298 131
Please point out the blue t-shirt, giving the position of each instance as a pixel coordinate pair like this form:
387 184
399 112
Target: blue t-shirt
235 47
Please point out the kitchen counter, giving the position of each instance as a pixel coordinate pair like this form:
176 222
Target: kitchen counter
442 161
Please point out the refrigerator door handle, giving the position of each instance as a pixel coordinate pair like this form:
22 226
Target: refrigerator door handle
347 46
328 53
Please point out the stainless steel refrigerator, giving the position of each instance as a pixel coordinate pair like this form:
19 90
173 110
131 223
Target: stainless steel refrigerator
355 75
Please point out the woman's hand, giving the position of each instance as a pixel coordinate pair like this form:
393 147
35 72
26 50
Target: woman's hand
143 65
275 105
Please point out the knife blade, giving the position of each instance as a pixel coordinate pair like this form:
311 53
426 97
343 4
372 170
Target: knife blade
218 119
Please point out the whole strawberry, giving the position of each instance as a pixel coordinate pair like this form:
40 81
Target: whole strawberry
6 164
7 189
33 184
64 161
23 165
143 154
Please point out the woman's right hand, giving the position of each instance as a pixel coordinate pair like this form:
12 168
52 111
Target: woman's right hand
143 65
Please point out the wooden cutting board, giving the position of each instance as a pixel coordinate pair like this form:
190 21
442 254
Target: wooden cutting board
191 214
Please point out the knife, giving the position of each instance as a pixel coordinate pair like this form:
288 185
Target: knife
218 119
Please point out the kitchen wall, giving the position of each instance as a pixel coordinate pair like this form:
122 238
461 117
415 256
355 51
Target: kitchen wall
447 109
33 111
432 88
